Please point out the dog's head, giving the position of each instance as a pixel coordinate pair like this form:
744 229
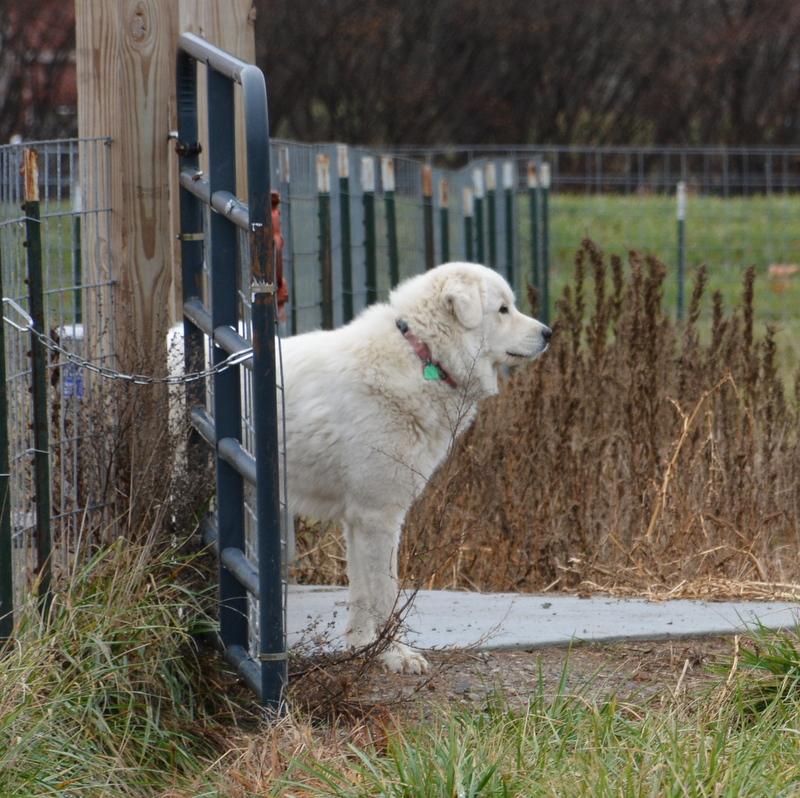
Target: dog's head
466 314
481 302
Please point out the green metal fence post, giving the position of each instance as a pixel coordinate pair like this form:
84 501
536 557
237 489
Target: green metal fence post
681 202
508 217
427 214
444 219
370 248
533 200
545 207
491 213
325 254
77 265
343 159
6 564
387 180
477 182
285 190
39 385
468 210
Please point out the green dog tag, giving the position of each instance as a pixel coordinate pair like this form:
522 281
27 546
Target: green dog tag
431 372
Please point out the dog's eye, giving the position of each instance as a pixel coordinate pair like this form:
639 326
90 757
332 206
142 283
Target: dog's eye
504 308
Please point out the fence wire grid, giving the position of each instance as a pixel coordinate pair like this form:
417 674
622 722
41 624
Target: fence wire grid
79 422
742 209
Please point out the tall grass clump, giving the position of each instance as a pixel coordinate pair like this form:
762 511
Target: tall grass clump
100 697
567 745
638 453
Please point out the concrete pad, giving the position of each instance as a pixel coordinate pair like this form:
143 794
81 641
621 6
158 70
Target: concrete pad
440 619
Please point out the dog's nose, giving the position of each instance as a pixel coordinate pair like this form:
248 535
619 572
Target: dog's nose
546 333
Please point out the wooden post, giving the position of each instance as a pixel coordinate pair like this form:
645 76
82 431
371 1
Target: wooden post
125 65
126 54
325 254
39 383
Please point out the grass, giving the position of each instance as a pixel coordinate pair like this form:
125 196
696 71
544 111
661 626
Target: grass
111 696
727 235
724 235
565 744
101 697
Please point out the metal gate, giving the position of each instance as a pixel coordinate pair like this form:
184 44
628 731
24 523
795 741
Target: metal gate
219 234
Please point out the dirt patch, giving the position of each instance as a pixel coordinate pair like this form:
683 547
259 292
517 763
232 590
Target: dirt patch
628 670
640 671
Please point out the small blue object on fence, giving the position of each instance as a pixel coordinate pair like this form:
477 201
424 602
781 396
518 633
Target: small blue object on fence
266 673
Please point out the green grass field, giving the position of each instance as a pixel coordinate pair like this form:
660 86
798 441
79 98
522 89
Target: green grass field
727 235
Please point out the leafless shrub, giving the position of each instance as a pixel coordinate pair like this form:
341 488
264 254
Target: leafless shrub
635 455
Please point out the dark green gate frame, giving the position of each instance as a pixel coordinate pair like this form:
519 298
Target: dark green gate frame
267 674
6 569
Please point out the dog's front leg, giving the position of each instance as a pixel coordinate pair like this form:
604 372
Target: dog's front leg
372 543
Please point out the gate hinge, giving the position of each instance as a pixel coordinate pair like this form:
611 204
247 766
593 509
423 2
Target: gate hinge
187 148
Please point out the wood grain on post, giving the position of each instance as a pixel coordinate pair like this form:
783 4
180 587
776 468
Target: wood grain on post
125 61
30 174
125 54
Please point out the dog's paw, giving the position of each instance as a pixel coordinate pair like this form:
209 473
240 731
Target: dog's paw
400 658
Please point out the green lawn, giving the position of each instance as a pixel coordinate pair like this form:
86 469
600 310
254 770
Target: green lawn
728 235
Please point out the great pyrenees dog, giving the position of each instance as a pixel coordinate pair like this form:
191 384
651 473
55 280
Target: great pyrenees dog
373 407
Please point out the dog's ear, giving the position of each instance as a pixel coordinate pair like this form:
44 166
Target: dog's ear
463 299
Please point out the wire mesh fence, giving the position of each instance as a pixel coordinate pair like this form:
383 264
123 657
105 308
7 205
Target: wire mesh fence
742 209
79 419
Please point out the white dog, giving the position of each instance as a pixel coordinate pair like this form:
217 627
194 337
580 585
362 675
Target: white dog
373 407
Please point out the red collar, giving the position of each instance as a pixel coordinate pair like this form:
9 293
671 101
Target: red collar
431 369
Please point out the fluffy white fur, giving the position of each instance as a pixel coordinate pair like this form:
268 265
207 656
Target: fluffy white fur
365 430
